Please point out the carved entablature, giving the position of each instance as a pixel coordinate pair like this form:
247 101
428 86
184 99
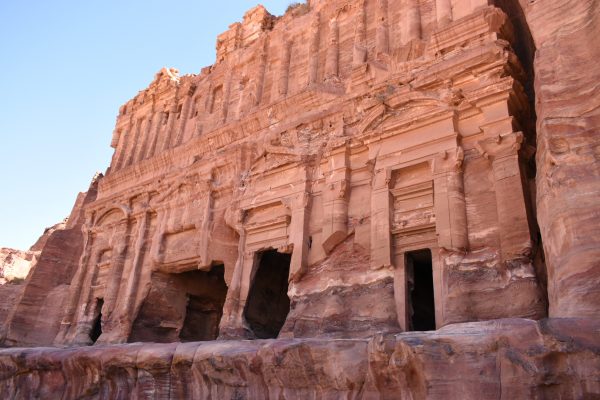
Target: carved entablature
267 226
402 110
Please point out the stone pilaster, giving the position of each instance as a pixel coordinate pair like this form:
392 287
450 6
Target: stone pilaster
503 152
145 138
443 12
359 55
154 136
118 327
262 70
313 52
284 67
335 198
382 33
227 95
381 247
332 60
412 22
132 143
120 245
449 200
299 234
169 127
232 323
123 136
184 116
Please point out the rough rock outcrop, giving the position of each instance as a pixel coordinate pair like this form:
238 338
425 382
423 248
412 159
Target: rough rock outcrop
15 264
503 359
568 157
38 307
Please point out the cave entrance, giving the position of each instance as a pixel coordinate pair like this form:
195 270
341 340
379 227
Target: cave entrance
97 324
268 303
204 308
419 275
185 307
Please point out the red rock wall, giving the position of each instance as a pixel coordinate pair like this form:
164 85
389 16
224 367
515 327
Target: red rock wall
37 314
504 359
568 157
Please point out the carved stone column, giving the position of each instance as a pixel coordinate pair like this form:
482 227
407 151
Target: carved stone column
359 56
503 152
184 116
335 198
118 326
332 60
243 89
232 324
205 224
299 234
154 136
381 248
168 128
382 35
145 138
119 141
227 95
284 68
412 22
313 51
262 69
443 12
132 143
449 195
120 244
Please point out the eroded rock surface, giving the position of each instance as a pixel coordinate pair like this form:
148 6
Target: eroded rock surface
343 173
503 359
568 157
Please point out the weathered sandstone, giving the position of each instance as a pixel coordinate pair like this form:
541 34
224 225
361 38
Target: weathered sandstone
568 157
503 359
399 192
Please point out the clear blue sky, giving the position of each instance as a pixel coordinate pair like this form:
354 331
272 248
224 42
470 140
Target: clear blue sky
65 68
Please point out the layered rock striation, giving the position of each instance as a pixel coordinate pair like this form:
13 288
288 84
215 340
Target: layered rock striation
506 359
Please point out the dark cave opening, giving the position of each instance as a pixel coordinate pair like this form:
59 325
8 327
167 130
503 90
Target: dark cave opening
419 277
184 307
204 311
97 325
268 303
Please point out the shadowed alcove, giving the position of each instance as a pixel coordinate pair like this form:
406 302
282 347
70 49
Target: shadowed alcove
182 307
268 303
419 275
97 325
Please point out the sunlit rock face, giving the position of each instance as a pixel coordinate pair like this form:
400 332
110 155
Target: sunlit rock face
510 358
342 175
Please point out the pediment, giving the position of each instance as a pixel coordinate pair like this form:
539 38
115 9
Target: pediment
402 108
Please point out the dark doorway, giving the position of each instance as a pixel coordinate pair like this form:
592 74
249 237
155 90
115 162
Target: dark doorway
268 303
97 325
184 307
204 310
421 305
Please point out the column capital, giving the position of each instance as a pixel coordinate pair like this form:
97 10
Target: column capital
500 146
448 161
